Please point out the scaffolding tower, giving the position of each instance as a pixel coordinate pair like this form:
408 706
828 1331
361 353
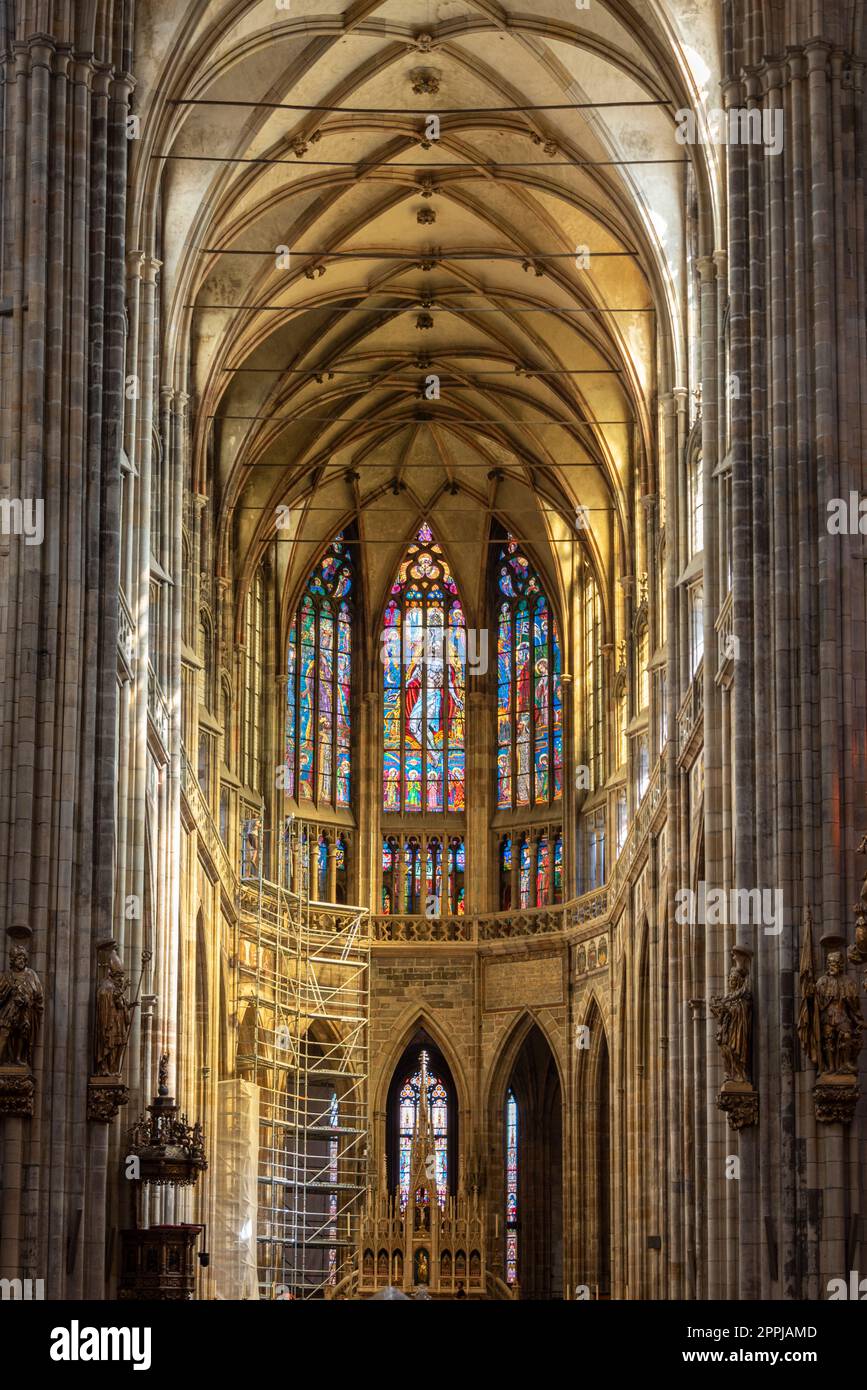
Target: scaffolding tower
303 1021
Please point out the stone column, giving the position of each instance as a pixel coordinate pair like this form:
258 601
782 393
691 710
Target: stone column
62 347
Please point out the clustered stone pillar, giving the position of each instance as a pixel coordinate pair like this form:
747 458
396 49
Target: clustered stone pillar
791 289
62 330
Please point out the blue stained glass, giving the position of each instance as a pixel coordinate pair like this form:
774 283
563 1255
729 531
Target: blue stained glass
319 675
322 868
333 1174
438 1103
558 869
511 1189
529 688
524 872
391 781
505 873
291 710
424 677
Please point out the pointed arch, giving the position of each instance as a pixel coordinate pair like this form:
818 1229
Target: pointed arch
398 1090
202 1008
319 683
411 1021
593 1128
507 1051
424 641
529 684
526 1101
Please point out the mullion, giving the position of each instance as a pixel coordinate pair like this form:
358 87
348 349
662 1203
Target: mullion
513 658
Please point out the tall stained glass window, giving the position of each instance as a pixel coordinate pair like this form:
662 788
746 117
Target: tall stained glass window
253 663
333 1174
593 722
529 687
319 669
424 643
438 1101
426 876
511 1188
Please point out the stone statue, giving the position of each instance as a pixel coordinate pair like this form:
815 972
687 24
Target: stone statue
858 952
21 1009
862 849
834 997
113 1019
735 1013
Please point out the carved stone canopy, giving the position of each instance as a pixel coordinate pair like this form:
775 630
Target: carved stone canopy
171 1152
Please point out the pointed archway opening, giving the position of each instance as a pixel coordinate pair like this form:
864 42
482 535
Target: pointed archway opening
593 1251
602 1145
400 1107
534 1083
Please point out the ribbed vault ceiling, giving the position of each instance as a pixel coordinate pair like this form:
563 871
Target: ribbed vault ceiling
411 258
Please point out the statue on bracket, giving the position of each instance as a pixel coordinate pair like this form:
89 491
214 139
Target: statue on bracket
734 1011
106 1092
830 1026
858 952
21 1008
113 1016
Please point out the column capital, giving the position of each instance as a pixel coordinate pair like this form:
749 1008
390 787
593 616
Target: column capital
141 265
795 61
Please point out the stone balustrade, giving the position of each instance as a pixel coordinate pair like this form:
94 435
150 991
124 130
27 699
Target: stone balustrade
158 709
407 929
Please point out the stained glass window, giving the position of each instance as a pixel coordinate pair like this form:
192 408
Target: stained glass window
319 670
390 877
423 875
342 857
511 1188
543 871
529 687
539 866
322 869
333 1173
505 873
412 875
524 870
424 643
438 1102
457 867
593 679
253 660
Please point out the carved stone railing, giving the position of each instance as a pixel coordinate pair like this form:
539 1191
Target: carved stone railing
410 929
335 924
206 827
125 636
727 643
691 713
539 921
158 709
638 831
590 907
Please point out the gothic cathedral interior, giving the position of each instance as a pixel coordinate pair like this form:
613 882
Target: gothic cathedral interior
433 633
